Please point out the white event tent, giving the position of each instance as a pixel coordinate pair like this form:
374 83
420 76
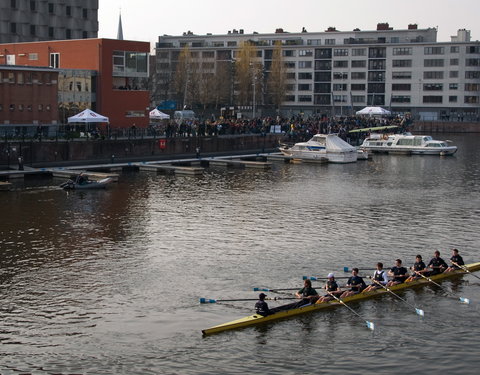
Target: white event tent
158 115
87 116
373 111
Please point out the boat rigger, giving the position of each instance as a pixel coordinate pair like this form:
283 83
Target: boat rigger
256 319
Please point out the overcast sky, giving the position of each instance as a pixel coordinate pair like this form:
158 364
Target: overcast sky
145 20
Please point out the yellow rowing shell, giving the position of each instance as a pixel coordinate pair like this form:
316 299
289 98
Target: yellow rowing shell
258 319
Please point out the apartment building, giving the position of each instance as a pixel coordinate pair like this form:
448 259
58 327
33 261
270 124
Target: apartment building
339 72
37 20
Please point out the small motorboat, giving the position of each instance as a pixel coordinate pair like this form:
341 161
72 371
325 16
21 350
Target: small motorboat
86 185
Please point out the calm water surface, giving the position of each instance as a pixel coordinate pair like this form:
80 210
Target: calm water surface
107 282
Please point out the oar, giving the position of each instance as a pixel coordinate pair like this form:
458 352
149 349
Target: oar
315 278
418 311
370 325
206 300
346 269
465 269
462 299
273 289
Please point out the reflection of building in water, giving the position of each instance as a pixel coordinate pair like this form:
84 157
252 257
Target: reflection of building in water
76 92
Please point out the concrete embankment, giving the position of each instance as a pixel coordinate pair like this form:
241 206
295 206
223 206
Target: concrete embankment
432 127
52 152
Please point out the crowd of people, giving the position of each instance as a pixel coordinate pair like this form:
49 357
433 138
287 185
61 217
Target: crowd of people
296 128
356 284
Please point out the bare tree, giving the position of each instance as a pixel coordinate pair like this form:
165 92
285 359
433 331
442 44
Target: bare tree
277 87
181 79
246 70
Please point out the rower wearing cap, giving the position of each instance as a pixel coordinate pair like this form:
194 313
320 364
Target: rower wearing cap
331 287
398 272
261 307
456 260
379 277
355 283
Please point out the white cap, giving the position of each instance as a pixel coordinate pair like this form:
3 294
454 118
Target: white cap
330 275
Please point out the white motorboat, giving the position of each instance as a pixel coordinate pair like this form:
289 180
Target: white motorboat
407 143
327 146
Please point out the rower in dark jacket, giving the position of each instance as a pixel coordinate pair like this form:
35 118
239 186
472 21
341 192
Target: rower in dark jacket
355 283
261 307
456 260
398 272
436 264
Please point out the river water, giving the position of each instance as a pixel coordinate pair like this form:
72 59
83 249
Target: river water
108 282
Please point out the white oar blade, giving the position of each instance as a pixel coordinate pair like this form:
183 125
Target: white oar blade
370 325
464 300
420 312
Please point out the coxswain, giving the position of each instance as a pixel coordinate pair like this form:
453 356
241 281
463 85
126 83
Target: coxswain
331 287
398 272
355 283
417 269
81 179
436 264
261 307
456 260
307 293
379 277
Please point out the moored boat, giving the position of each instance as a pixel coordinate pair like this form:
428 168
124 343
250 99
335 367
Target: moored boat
256 319
326 146
87 185
406 143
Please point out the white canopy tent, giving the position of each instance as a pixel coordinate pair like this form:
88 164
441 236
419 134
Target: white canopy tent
158 115
373 111
87 116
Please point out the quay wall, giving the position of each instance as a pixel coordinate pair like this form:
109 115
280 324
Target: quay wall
432 127
50 152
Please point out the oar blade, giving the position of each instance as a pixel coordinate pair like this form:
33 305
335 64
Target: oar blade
370 325
345 269
464 300
420 312
261 290
206 300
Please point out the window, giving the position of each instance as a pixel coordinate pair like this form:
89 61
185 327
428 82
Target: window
452 99
472 99
472 74
432 87
433 99
340 52
68 10
232 44
377 64
13 27
54 60
402 63
85 13
323 76
20 107
323 53
68 34
376 76
358 98
323 99
400 99
453 74
288 53
468 86
434 50
11 78
377 52
304 87
20 80
290 64
304 98
401 75
291 75
305 52
305 75
84 34
51 32
340 64
33 30
33 56
33 5
329 41
472 62
323 65
322 88
340 98
340 87
12 107
13 4
40 107
433 62
358 87
376 87
453 86
314 42
453 61
304 64
473 49
338 75
358 75
51 8
433 75
359 63
454 49
402 51
290 98
401 87
129 63
359 52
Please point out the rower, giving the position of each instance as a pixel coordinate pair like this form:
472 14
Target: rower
456 260
436 264
331 287
261 307
380 276
398 272
417 269
355 283
307 293
81 179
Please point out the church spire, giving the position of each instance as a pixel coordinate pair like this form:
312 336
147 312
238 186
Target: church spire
120 28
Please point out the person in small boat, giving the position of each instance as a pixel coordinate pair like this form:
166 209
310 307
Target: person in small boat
261 307
379 276
417 269
436 265
456 260
81 179
332 287
398 272
355 283
307 294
